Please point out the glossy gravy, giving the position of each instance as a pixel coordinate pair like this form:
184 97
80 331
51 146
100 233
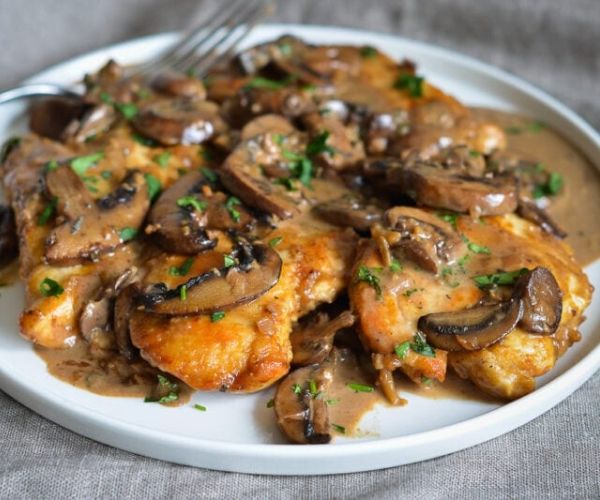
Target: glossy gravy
576 209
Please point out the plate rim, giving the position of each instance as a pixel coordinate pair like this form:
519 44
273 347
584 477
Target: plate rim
85 422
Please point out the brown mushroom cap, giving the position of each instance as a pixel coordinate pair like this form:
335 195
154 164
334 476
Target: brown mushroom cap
123 307
50 117
179 121
350 211
178 85
9 247
542 300
94 120
271 123
302 416
257 270
471 329
530 211
92 228
439 188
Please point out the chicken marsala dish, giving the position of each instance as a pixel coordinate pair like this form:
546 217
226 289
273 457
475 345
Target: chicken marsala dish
317 217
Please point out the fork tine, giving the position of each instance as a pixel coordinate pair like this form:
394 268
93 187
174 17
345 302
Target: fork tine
187 42
220 36
229 43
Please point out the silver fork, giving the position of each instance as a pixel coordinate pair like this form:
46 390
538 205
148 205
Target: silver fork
205 45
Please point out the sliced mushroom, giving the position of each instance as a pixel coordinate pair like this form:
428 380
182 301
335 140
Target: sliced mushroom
92 228
9 247
256 271
271 123
179 121
312 342
471 329
302 416
94 121
530 211
178 85
423 237
182 214
349 210
50 117
542 300
124 304
438 188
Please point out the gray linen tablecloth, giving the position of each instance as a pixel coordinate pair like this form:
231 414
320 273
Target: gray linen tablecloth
553 44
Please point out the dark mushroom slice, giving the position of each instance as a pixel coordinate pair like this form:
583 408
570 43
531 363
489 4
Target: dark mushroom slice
256 271
9 241
92 227
271 123
179 121
312 342
301 415
423 237
179 85
434 187
530 211
182 214
123 307
471 329
349 210
50 117
95 120
542 300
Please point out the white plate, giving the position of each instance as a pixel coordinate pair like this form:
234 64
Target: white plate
238 433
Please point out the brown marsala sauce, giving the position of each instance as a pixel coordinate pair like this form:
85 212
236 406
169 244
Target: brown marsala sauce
576 209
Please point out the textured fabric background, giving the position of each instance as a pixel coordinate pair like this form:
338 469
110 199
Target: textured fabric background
553 44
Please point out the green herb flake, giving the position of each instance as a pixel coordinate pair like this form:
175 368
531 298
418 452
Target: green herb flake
475 248
401 350
192 201
332 402
183 269
153 185
259 82
127 233
474 154
338 428
513 130
395 266
144 141
275 241
106 175
420 346
296 389
413 84
82 163
359 387
50 288
410 291
105 97
285 49
287 182
270 403
48 212
426 380
51 165
368 52
228 261
451 219
209 175
127 109
183 292
367 275
230 204
500 278
319 145
312 388
551 188
278 139
199 407
217 316
162 159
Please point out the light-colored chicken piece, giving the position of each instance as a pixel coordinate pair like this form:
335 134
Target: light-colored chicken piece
249 348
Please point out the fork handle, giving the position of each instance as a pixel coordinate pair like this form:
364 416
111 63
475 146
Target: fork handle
36 90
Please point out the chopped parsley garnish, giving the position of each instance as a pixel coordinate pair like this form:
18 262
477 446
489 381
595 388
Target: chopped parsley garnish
278 139
199 407
401 350
367 275
48 212
420 346
359 387
275 241
332 402
228 261
368 52
259 82
144 141
217 316
51 165
530 127
449 218
551 188
128 233
127 109
270 403
338 428
209 175
164 384
106 174
411 291
287 182
303 170
312 388
296 389
50 288
162 159
426 380
207 154
501 278
82 163
183 292
105 97
183 269
153 185
285 49
319 145
475 248
192 201
413 84
474 154
230 204
463 260
395 266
